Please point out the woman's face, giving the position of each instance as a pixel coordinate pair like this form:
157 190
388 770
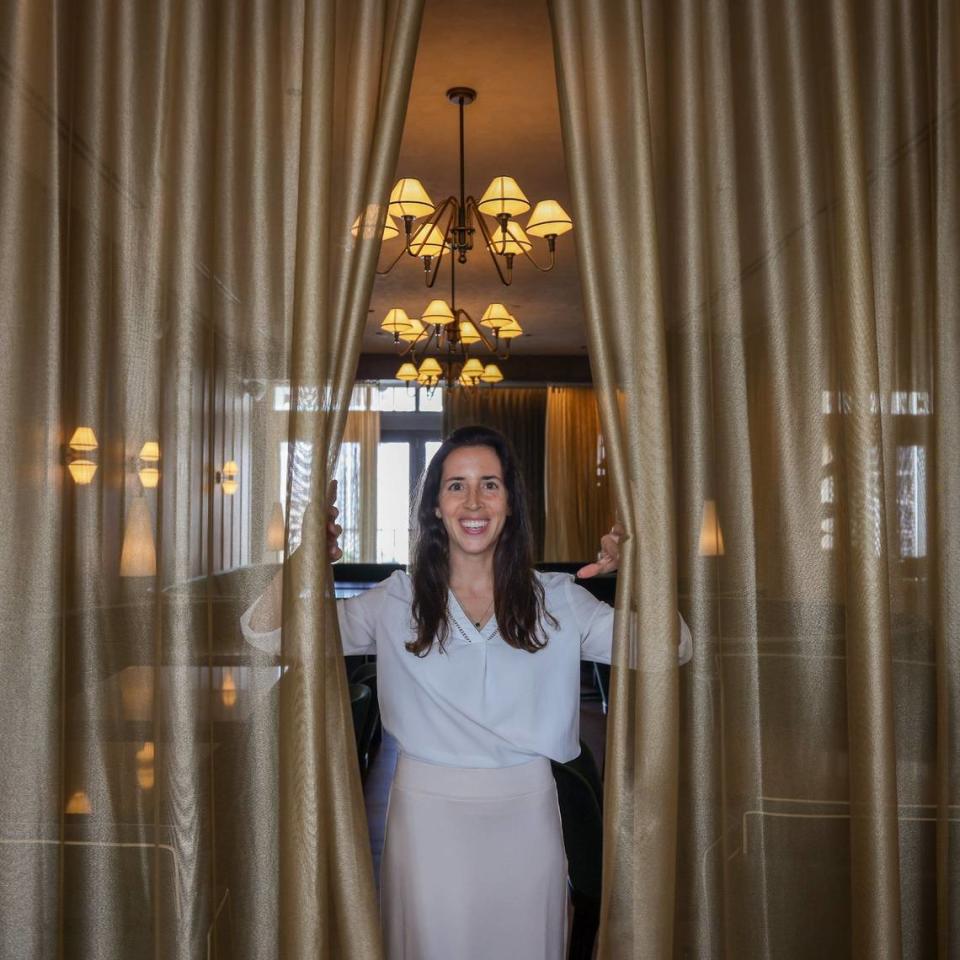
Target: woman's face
473 501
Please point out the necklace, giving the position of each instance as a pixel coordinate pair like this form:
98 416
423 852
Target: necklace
482 616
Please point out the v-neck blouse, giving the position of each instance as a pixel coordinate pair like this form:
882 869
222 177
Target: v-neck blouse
482 703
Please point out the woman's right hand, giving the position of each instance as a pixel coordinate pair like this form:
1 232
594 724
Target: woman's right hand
333 528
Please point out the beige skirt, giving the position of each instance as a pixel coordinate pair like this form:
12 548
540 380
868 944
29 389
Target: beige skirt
473 864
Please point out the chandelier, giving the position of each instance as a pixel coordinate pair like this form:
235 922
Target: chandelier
439 341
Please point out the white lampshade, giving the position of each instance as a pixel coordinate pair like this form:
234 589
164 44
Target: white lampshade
711 536
549 219
509 239
82 471
438 311
414 332
503 196
83 440
407 372
275 527
491 374
138 557
395 321
409 199
496 315
428 241
468 332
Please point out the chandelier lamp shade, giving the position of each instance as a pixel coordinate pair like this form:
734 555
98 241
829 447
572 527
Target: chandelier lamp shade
451 225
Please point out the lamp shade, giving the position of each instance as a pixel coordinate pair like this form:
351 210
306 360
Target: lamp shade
503 196
438 311
407 372
549 219
510 330
230 470
428 241
468 332
229 487
414 332
711 536
275 527
496 315
83 439
82 471
430 368
390 229
472 368
491 374
228 690
409 199
138 558
395 320
150 451
509 239
79 802
149 477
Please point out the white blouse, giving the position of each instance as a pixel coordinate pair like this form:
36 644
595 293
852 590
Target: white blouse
480 703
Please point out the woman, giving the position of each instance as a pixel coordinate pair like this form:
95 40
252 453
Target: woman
478 674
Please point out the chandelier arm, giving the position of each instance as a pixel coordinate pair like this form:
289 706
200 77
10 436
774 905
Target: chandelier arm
472 205
393 263
411 344
431 278
553 260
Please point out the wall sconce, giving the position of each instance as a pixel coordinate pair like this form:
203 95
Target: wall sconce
147 461
711 536
228 477
275 527
81 468
138 557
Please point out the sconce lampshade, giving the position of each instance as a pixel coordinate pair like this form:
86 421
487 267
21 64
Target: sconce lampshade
509 239
468 332
428 241
409 199
496 315
369 220
491 374
503 196
439 312
150 451
275 527
82 471
407 372
414 332
83 440
549 219
138 557
149 476
711 536
395 320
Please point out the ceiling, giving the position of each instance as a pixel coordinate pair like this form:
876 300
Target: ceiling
503 49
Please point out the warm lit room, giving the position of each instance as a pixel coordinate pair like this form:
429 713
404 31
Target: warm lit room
482 480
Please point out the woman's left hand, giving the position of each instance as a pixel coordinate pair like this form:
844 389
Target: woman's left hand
608 559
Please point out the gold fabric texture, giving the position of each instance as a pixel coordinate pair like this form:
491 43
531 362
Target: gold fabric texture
178 182
576 486
767 200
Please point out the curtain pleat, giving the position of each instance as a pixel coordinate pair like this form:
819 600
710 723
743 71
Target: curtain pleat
178 184
789 282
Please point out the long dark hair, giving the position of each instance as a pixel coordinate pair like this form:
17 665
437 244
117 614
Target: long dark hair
518 594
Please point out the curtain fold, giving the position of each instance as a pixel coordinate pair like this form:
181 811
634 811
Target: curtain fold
578 509
789 287
520 414
178 184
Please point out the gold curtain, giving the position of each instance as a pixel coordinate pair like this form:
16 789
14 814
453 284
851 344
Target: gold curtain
178 183
768 207
576 489
520 414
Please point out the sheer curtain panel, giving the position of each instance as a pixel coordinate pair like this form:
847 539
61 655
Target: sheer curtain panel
768 209
178 184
